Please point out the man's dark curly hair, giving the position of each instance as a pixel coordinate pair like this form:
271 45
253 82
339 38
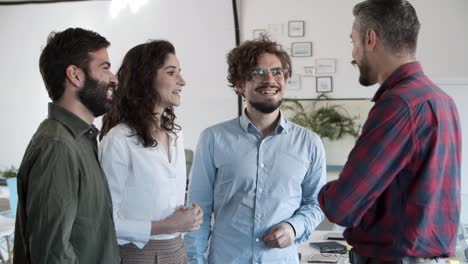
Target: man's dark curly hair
243 60
134 100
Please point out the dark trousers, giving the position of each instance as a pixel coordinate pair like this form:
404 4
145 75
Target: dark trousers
355 258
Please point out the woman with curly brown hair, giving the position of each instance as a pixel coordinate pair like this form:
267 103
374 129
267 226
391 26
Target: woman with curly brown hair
142 156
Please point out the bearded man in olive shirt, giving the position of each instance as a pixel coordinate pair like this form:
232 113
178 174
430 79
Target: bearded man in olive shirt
64 207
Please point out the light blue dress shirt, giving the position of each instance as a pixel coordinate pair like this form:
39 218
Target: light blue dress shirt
250 184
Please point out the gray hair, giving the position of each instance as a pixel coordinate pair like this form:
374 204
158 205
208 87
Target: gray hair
395 21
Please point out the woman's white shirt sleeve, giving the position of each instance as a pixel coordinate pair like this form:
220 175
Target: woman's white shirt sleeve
114 155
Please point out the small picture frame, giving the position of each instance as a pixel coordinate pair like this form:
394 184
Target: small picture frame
301 49
325 66
276 29
296 28
258 33
293 83
324 84
309 71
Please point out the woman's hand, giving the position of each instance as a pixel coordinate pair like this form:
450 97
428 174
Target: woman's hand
184 219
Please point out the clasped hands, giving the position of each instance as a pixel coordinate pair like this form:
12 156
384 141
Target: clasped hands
280 236
188 218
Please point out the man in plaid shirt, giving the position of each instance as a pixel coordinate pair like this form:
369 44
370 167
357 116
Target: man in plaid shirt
399 192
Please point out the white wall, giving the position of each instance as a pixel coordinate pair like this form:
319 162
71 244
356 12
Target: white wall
442 47
442 41
202 32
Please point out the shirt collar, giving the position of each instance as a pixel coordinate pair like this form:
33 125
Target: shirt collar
283 124
399 74
75 124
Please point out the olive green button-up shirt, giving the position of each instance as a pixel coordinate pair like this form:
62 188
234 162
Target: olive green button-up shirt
64 206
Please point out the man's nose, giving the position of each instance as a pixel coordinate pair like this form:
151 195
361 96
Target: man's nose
114 79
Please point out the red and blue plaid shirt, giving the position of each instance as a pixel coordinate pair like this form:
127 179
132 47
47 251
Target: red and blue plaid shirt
399 192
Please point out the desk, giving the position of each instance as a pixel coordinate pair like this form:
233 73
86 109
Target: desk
307 250
7 229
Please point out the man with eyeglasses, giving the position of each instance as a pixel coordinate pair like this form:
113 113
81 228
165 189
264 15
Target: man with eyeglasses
258 174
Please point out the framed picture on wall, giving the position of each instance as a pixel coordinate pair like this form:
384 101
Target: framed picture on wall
296 28
301 49
258 33
294 82
325 66
324 84
309 71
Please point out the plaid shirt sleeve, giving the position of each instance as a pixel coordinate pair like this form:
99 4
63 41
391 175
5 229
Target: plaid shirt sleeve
380 153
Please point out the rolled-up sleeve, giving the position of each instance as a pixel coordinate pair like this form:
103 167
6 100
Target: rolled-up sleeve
116 164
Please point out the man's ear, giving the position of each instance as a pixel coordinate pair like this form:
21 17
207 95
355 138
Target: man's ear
74 75
371 39
239 86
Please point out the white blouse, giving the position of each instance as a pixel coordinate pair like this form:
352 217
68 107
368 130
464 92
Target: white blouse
144 184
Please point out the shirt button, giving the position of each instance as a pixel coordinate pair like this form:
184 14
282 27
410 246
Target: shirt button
262 165
260 189
257 239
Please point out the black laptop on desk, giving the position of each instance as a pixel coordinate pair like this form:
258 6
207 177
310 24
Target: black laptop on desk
329 247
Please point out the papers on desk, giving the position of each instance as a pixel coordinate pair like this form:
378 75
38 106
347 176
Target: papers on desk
322 258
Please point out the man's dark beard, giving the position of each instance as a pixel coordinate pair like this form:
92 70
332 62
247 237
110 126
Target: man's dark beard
364 73
94 96
266 107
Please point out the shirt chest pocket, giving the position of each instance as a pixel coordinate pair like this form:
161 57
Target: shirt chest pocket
290 166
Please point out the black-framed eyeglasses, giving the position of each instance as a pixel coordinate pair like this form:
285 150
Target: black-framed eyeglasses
259 74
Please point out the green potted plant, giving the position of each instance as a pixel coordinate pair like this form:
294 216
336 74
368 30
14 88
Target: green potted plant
10 176
330 121
10 173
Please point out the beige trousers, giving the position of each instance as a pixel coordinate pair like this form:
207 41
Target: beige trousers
171 251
